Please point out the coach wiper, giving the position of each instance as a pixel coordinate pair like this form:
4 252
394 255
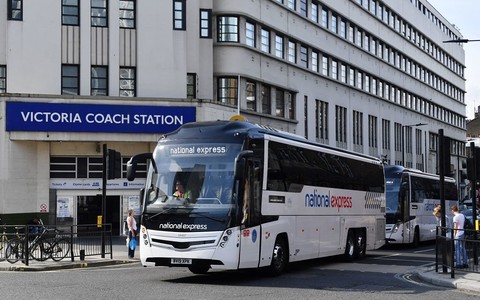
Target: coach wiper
208 217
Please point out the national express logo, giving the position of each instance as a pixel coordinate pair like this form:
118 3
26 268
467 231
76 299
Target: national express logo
327 200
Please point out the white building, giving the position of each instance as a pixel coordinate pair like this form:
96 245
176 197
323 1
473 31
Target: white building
370 76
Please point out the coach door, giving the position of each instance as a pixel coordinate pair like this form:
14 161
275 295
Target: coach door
251 218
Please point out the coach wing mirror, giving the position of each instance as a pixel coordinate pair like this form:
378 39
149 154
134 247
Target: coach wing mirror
240 163
132 164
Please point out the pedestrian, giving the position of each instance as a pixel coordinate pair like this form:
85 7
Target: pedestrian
437 212
132 232
461 259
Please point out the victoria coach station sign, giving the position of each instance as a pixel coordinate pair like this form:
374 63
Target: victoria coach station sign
64 117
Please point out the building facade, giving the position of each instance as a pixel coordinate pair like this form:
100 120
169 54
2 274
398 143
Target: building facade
369 76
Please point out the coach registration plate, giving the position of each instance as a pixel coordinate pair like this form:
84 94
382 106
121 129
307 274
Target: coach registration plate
181 261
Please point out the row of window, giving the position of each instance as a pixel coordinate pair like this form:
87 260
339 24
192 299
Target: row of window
98 81
127 13
310 58
417 38
260 97
87 167
403 135
385 14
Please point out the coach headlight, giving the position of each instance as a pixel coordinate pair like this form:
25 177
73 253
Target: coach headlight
395 227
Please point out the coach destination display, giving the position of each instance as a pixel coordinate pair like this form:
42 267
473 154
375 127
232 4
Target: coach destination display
63 117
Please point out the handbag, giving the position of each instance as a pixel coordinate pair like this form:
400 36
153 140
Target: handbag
133 244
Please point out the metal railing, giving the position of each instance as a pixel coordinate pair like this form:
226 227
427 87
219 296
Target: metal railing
445 251
77 242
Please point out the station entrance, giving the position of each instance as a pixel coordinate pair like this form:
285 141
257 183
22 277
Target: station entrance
90 207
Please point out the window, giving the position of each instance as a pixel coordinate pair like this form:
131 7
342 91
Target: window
70 12
314 14
303 8
127 14
291 4
3 79
292 52
266 99
250 34
265 41
279 46
127 82
325 65
191 85
179 15
303 56
279 103
227 29
341 126
334 69
314 64
324 18
385 135
206 23
321 120
15 10
251 96
372 132
99 81
334 24
357 128
290 105
99 13
343 73
70 80
227 90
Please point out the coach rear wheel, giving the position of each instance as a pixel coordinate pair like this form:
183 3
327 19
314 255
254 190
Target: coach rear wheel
350 246
361 244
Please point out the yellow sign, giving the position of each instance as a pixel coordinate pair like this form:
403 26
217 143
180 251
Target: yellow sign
99 221
237 118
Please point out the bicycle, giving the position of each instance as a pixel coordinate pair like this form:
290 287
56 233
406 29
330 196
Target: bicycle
3 243
45 246
15 247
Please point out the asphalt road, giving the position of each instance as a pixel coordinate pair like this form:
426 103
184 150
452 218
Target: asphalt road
384 274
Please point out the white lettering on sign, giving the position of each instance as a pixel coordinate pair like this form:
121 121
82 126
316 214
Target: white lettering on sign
100 118
198 150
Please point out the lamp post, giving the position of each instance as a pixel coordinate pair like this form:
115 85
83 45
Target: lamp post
461 41
403 139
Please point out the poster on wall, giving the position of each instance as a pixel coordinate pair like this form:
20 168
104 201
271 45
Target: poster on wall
134 203
65 210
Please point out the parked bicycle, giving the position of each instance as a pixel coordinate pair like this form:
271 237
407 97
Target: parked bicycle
48 243
14 247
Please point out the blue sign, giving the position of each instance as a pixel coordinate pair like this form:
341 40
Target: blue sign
65 117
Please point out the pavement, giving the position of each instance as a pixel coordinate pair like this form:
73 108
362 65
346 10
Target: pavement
469 282
119 256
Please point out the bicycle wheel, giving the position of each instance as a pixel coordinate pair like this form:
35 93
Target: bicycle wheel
60 249
41 250
14 250
3 247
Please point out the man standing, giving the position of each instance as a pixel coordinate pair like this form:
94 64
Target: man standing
461 259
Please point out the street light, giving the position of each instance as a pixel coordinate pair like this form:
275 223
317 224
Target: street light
403 138
461 41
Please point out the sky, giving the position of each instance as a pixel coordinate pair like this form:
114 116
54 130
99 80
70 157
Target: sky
465 14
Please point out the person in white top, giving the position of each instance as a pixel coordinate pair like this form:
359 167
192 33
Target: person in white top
132 231
461 259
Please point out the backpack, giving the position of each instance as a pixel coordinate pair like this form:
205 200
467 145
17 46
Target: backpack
467 224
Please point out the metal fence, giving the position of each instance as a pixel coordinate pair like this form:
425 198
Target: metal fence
445 251
24 243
